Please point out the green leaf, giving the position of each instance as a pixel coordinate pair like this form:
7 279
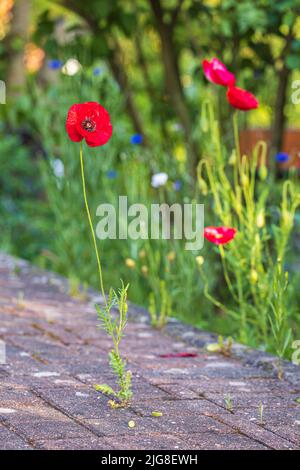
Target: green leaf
213 347
104 388
293 61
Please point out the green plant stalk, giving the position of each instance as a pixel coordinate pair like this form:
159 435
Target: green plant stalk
236 137
91 225
115 329
226 275
160 311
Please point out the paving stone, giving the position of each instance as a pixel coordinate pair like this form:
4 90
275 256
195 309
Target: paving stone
212 440
86 443
37 427
148 441
56 353
11 441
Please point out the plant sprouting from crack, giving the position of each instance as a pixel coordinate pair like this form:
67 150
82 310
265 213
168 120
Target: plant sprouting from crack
261 413
228 402
114 327
222 347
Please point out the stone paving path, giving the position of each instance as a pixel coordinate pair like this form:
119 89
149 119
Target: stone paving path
55 354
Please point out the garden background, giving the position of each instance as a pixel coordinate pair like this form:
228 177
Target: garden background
141 59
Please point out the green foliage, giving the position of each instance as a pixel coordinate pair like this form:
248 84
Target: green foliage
68 251
279 316
115 329
251 271
160 313
41 210
23 212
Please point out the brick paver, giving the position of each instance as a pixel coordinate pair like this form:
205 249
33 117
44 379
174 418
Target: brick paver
55 353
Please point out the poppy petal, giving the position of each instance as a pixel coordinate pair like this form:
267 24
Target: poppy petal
216 72
71 124
241 99
173 355
219 235
90 121
100 137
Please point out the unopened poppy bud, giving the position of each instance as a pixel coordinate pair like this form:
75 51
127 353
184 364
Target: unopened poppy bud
145 269
287 218
180 153
260 220
245 181
253 276
232 158
203 187
130 263
142 254
171 256
199 260
239 208
263 172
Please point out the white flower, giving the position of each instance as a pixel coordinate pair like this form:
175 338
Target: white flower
159 179
71 67
58 168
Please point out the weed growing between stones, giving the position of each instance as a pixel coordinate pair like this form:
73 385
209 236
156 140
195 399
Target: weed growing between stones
222 347
115 329
281 331
261 413
228 403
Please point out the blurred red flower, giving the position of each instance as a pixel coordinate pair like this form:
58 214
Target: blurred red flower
216 72
219 235
89 121
241 99
182 354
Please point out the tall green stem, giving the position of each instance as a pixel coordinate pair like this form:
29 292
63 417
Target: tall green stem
236 136
91 225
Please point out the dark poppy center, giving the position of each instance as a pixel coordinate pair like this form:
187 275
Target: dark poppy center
88 125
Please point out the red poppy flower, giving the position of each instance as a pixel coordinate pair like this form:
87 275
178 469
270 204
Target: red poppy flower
216 72
89 121
219 235
241 99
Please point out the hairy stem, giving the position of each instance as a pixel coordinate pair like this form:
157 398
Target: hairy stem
91 225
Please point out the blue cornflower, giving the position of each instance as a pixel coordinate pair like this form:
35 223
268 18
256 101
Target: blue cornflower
97 71
55 64
282 157
111 174
177 185
136 139
257 74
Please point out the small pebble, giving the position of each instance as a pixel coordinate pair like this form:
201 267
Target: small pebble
7 411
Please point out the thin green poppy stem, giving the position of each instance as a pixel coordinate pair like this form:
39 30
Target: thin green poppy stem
236 136
91 226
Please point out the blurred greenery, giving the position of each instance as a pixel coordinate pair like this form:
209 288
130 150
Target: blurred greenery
141 59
